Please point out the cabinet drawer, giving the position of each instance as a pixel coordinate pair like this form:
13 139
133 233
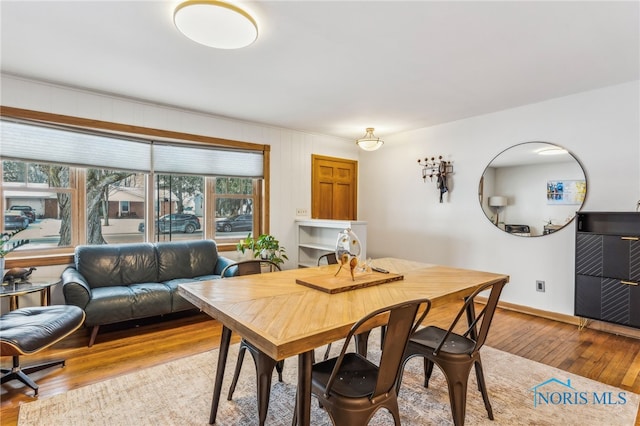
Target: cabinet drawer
608 299
609 256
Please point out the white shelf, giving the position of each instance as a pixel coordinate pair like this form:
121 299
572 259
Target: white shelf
316 237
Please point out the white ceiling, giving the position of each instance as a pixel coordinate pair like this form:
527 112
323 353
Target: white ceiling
333 67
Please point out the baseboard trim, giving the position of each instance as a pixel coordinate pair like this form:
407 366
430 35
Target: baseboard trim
569 319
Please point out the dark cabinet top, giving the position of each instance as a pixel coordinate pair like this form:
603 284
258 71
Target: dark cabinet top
611 223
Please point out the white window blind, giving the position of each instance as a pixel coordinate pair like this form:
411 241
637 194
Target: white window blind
206 161
40 143
28 142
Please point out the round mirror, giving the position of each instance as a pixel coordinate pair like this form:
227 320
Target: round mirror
532 189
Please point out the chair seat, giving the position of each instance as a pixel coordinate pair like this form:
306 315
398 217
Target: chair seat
431 336
29 330
356 378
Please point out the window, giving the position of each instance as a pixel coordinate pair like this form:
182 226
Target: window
234 207
178 207
115 205
103 188
38 198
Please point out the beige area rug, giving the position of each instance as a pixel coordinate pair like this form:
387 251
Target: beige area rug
179 393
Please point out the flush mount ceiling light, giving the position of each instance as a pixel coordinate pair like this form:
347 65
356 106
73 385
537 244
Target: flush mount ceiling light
215 24
369 142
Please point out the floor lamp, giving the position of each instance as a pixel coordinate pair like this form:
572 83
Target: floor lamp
497 202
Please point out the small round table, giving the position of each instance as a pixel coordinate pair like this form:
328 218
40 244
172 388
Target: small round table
20 288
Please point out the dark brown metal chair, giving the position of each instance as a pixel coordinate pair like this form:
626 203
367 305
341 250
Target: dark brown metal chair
29 330
264 363
330 258
350 387
249 267
454 353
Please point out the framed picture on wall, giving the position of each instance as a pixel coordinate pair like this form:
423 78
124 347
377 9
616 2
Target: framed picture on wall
566 191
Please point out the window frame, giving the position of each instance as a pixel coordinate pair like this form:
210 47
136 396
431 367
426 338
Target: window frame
64 255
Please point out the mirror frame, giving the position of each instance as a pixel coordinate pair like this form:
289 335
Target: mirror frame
509 164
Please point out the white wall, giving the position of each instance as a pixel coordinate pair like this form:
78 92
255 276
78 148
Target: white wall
290 150
601 128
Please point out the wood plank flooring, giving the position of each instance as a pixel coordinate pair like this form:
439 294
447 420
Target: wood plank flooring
122 349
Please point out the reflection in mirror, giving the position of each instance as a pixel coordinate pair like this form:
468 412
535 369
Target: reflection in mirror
532 189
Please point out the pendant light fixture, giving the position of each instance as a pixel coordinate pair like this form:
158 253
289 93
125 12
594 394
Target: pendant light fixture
215 24
369 142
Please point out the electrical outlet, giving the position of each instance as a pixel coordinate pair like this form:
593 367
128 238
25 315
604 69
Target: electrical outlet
540 286
302 212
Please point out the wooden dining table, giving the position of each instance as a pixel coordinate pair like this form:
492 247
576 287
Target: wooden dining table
283 318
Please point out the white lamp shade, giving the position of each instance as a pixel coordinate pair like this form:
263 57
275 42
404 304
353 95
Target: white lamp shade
215 24
370 145
369 142
497 201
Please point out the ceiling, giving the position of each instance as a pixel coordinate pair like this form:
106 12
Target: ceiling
332 67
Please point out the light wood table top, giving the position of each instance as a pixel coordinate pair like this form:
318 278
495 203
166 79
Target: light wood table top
283 318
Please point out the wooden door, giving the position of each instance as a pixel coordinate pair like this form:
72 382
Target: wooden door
334 183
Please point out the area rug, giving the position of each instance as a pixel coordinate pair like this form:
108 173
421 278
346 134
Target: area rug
522 392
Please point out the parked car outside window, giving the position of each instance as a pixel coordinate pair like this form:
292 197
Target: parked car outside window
15 219
242 222
28 211
175 222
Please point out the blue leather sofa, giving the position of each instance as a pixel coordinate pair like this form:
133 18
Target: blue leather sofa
120 282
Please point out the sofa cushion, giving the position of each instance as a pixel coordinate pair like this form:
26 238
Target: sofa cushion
179 303
108 305
121 303
116 264
186 259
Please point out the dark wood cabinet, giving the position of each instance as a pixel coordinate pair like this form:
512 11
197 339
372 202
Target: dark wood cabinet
607 283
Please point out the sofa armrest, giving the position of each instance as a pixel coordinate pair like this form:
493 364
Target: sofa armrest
75 288
222 263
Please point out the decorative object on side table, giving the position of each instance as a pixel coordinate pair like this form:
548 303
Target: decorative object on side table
265 247
17 274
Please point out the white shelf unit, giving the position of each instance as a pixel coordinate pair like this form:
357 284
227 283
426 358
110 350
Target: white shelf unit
319 236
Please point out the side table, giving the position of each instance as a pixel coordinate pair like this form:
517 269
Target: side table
13 290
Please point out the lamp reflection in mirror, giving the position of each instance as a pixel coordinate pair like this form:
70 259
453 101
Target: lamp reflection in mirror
369 142
497 202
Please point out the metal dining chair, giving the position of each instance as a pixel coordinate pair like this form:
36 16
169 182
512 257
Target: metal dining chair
264 363
455 353
352 388
329 258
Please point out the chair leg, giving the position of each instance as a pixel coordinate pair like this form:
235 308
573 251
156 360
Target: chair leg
482 386
279 368
428 370
18 373
457 376
264 371
236 373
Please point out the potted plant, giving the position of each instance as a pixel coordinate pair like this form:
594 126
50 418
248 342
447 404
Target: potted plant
7 246
265 247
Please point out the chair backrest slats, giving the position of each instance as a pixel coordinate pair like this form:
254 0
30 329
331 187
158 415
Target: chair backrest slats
478 325
250 267
403 320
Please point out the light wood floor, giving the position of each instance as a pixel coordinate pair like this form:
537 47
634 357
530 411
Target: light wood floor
601 356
